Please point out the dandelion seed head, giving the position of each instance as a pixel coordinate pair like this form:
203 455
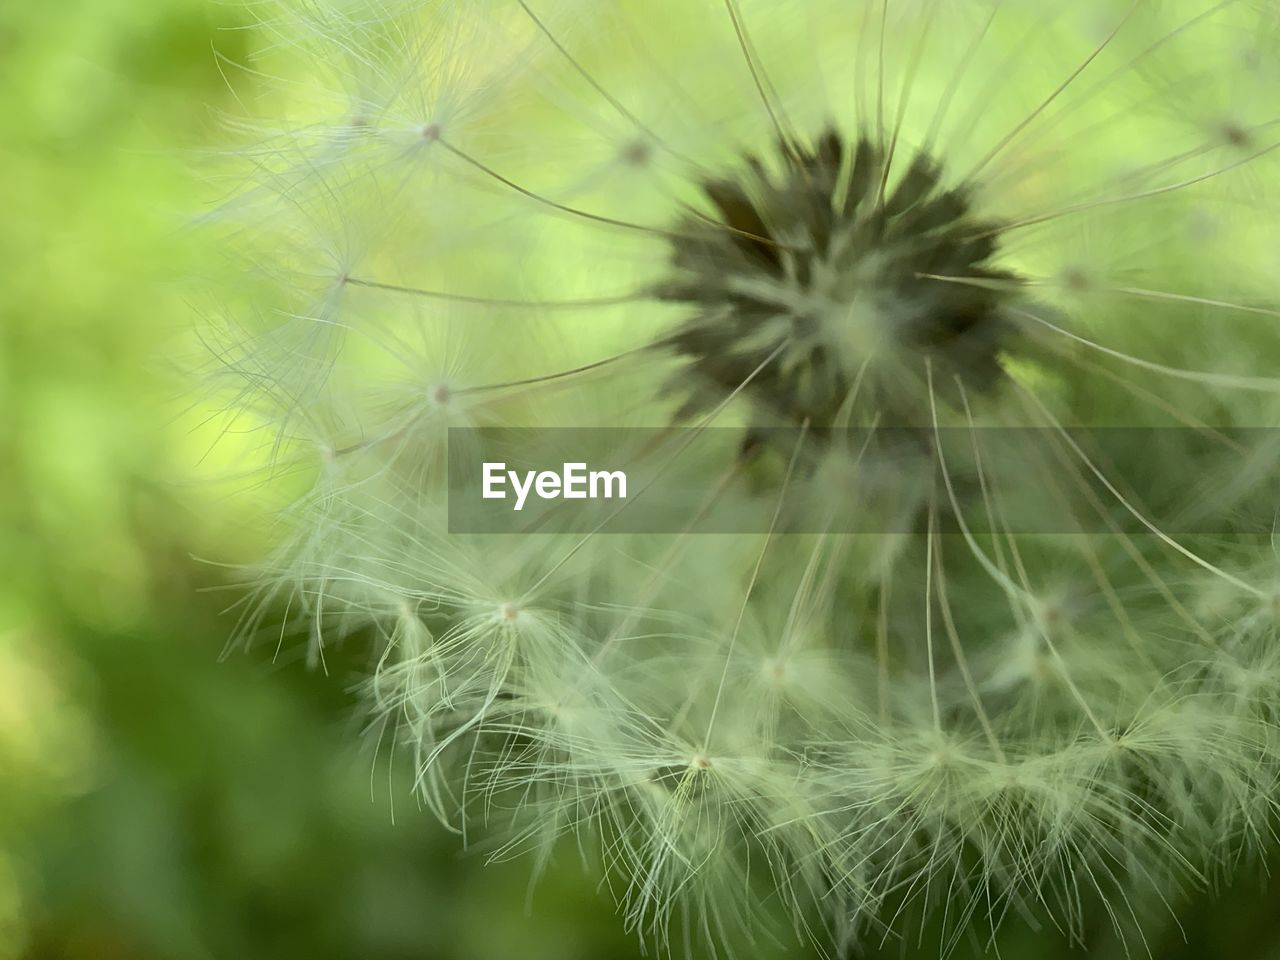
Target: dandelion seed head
825 260
744 214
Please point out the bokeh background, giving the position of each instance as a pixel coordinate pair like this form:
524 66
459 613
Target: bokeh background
158 800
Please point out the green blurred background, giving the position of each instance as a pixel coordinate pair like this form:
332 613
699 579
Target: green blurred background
157 801
154 801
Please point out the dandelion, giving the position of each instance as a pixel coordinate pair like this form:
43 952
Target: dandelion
870 240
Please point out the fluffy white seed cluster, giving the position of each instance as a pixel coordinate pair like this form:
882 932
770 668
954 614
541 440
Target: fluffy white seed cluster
814 215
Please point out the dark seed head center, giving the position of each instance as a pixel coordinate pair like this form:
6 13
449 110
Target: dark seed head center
822 266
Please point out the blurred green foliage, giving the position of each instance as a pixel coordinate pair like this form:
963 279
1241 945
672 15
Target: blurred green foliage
156 802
